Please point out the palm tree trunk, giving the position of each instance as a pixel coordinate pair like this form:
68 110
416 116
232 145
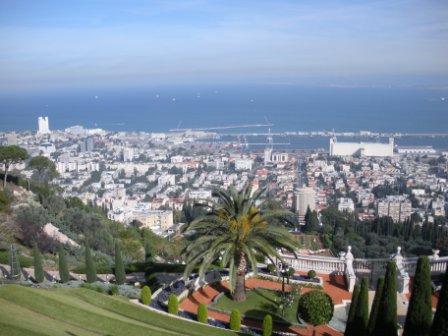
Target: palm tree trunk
240 286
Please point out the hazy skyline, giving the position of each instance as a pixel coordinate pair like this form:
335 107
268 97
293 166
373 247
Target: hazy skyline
53 44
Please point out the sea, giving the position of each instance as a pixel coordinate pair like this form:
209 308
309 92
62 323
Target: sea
290 108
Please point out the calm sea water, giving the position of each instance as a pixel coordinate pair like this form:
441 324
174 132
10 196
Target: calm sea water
290 108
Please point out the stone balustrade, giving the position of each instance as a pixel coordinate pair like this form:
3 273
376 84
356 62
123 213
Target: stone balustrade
351 267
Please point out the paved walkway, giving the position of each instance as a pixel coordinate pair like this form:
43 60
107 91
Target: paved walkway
334 287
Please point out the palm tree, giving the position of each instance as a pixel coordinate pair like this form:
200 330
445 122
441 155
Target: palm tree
236 227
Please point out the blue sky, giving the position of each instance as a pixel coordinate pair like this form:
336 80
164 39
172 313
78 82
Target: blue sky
53 44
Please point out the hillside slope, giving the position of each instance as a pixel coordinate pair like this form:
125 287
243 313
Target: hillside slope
77 311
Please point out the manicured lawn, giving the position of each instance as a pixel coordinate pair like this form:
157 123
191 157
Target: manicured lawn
260 302
28 311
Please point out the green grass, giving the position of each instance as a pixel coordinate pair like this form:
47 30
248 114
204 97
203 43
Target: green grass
260 302
78 311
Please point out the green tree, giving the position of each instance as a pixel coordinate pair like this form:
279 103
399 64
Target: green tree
316 308
90 266
173 304
64 274
419 316
145 295
120 275
11 155
352 311
236 229
202 313
361 318
375 305
311 221
148 252
38 268
44 169
267 325
235 320
386 322
440 323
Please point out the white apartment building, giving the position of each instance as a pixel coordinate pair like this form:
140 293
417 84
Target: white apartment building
361 148
438 207
166 180
43 125
279 157
399 208
416 150
200 194
305 197
346 204
128 154
244 164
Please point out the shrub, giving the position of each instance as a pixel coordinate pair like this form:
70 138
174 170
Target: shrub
316 307
235 320
271 268
145 295
173 304
202 313
291 271
94 287
113 290
267 325
311 274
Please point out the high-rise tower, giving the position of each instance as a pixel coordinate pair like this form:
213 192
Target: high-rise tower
43 126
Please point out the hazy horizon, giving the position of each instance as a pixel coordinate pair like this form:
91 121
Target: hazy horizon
50 45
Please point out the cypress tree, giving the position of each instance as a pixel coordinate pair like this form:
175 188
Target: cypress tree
38 268
352 311
419 316
90 266
440 323
361 318
148 252
386 321
63 268
120 275
375 305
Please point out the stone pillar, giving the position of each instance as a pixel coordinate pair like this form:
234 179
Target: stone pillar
403 276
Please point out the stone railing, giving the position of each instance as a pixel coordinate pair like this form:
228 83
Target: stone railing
351 267
324 265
